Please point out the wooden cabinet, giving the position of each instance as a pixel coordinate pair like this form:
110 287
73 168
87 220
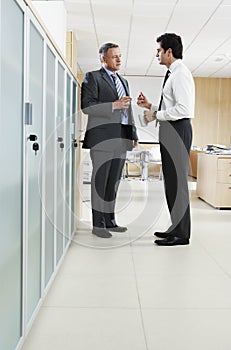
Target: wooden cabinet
212 122
193 163
214 179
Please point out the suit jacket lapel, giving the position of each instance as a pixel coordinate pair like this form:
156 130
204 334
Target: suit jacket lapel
106 77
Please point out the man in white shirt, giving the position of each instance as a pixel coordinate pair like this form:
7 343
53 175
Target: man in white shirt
176 108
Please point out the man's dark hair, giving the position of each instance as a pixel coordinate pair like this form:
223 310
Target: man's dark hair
105 47
173 41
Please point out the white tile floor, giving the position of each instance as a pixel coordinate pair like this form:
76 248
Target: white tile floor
124 293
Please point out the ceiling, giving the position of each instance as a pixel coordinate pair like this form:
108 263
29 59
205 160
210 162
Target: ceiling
204 25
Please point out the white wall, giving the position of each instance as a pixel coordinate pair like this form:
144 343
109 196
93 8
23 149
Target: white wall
151 87
54 16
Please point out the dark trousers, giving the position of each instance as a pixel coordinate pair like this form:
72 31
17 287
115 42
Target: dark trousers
175 143
106 174
107 165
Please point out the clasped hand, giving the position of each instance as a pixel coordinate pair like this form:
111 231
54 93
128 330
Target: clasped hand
122 103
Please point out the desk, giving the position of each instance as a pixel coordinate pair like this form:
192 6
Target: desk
143 158
193 163
133 158
214 179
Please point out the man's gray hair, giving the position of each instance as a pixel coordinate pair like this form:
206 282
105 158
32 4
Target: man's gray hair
104 49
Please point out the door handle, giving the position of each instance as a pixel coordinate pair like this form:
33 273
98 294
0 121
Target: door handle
75 144
28 113
32 137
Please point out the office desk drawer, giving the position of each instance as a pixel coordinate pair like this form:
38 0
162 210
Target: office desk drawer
224 164
224 177
223 195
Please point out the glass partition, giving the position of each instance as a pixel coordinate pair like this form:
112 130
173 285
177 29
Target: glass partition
11 175
73 156
38 161
67 159
60 197
49 165
33 163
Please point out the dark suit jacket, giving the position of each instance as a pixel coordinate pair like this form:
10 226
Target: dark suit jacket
97 95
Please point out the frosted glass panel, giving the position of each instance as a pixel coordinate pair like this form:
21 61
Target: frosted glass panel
73 157
11 128
67 162
33 164
49 159
60 158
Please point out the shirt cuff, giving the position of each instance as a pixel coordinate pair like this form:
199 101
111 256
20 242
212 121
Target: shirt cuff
154 108
160 115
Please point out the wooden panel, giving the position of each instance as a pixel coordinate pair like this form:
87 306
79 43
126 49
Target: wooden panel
80 77
68 54
224 131
71 51
74 53
69 48
205 123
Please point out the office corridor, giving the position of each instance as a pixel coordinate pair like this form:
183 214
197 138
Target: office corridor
125 293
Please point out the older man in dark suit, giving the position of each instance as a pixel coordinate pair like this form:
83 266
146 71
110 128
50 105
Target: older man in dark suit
110 133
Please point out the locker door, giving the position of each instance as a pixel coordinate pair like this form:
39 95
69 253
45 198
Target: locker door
67 163
49 155
60 155
33 158
11 173
73 157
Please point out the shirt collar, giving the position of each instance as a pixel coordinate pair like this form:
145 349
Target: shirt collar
175 64
109 72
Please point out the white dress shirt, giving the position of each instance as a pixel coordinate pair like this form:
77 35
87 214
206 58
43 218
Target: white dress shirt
124 116
178 94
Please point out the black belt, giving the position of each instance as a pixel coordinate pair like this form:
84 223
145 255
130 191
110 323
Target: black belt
178 120
174 121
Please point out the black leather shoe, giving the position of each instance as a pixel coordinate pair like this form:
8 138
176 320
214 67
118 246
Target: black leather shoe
162 234
101 232
172 240
116 228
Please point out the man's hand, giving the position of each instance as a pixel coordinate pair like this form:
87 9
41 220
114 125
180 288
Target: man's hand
122 103
149 116
135 143
142 101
